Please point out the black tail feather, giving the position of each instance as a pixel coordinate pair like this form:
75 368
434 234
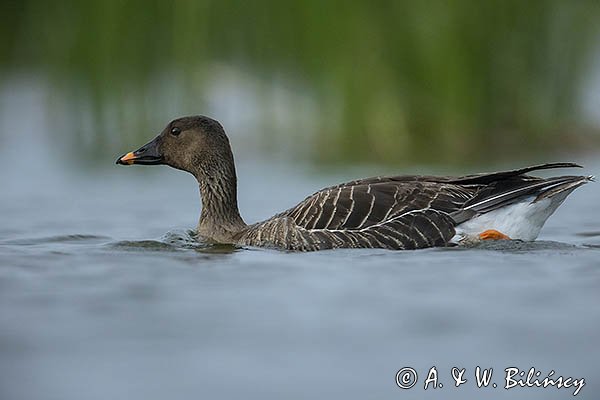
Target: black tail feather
487 178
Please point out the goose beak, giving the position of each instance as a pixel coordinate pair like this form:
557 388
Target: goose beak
148 154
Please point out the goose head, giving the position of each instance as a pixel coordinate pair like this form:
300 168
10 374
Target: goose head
196 144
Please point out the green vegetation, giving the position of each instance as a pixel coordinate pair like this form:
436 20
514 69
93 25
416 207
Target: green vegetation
393 81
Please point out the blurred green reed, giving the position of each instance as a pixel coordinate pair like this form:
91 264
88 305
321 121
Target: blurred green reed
393 81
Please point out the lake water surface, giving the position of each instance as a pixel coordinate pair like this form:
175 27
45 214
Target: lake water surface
104 295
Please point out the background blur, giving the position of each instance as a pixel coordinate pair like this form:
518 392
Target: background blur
394 82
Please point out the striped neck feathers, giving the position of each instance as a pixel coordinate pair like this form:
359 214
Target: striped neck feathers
220 218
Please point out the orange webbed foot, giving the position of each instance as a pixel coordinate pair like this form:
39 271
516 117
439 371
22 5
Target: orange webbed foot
492 234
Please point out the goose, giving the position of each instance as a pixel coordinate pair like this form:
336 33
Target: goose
391 212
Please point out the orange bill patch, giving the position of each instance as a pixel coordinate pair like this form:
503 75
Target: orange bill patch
128 158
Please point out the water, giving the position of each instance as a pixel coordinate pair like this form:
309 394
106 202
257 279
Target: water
104 294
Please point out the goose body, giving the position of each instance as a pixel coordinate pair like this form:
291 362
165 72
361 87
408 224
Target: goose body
397 212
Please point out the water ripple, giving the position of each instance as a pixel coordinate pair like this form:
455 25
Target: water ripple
74 238
176 240
146 245
589 234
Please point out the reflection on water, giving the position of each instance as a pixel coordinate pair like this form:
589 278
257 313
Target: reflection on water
172 241
143 245
520 246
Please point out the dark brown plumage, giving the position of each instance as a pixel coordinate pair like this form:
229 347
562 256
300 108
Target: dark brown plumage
400 212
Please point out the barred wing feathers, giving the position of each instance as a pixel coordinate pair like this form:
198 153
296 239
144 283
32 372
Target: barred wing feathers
357 206
391 214
400 212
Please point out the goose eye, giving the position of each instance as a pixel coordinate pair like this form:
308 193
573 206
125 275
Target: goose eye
175 131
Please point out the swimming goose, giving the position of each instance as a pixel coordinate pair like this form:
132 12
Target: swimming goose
395 212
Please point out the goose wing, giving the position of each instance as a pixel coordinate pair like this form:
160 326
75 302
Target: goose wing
359 204
362 203
401 212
